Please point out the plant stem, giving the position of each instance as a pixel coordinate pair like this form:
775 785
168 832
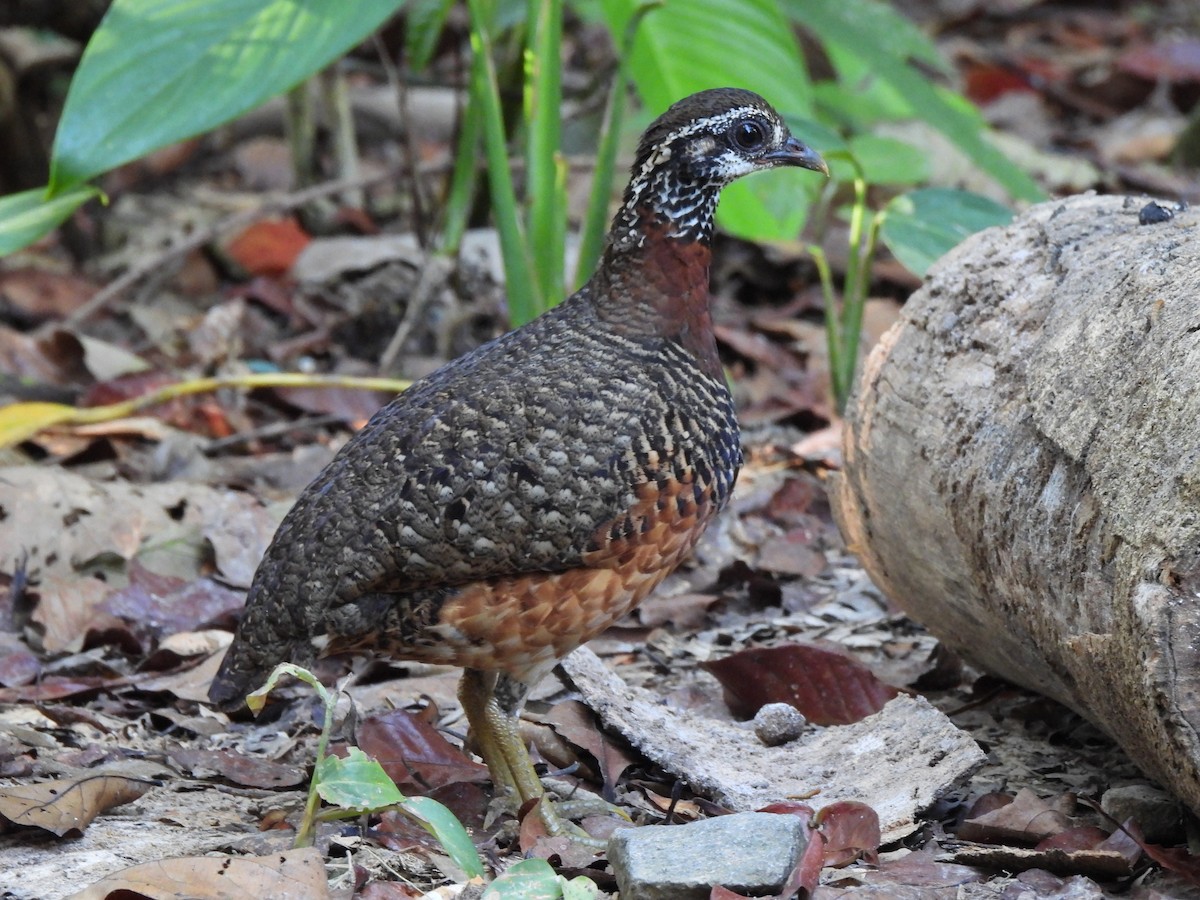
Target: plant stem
546 224
523 291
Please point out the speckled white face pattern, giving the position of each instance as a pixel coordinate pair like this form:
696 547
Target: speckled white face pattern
674 179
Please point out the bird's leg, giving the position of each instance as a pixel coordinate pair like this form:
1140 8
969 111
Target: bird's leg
493 706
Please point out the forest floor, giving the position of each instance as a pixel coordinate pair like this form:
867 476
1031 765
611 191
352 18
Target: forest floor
126 546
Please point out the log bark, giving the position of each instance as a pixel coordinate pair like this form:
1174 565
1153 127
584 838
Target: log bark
1022 467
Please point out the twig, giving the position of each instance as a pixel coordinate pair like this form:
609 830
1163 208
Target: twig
433 276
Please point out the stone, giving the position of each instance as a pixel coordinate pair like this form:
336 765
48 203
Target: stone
748 852
778 723
1157 812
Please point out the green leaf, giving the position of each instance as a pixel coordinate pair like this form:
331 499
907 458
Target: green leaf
921 226
158 71
886 160
529 879
423 25
579 888
27 216
355 781
841 23
689 46
444 825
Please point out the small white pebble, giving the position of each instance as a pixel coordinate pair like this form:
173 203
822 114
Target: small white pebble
778 723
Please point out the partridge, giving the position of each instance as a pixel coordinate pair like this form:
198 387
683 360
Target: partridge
521 499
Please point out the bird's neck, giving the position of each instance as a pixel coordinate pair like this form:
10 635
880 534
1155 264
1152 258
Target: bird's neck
653 279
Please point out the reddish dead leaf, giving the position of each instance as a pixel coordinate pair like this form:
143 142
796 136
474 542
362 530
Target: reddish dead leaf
269 247
290 875
850 830
722 893
987 81
66 806
1173 859
236 767
828 686
414 754
157 605
574 721
1026 820
38 295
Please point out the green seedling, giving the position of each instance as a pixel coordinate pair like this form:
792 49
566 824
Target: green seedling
356 785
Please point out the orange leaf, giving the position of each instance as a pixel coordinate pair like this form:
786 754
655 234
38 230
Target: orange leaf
269 247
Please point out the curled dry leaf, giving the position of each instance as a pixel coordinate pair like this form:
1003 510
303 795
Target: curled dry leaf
1026 820
66 806
292 875
828 686
850 830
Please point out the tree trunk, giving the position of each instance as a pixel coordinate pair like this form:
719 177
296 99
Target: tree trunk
1022 467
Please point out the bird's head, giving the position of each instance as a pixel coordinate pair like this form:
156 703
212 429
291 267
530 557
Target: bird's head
699 145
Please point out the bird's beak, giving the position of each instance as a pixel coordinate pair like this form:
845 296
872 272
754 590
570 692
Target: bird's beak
794 153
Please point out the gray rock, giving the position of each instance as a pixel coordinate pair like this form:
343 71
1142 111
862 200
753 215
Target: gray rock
1157 812
778 723
745 852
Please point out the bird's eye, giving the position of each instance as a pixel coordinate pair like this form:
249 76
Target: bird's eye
748 135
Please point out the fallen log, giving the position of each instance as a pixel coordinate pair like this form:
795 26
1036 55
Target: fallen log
1022 467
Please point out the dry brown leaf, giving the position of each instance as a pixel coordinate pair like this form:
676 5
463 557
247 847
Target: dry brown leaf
237 767
577 723
66 806
829 686
1026 820
291 875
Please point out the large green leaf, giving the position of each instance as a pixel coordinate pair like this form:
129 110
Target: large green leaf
921 226
690 45
26 216
444 825
869 31
158 71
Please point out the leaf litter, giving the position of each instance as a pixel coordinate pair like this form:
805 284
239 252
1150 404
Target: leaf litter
130 585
